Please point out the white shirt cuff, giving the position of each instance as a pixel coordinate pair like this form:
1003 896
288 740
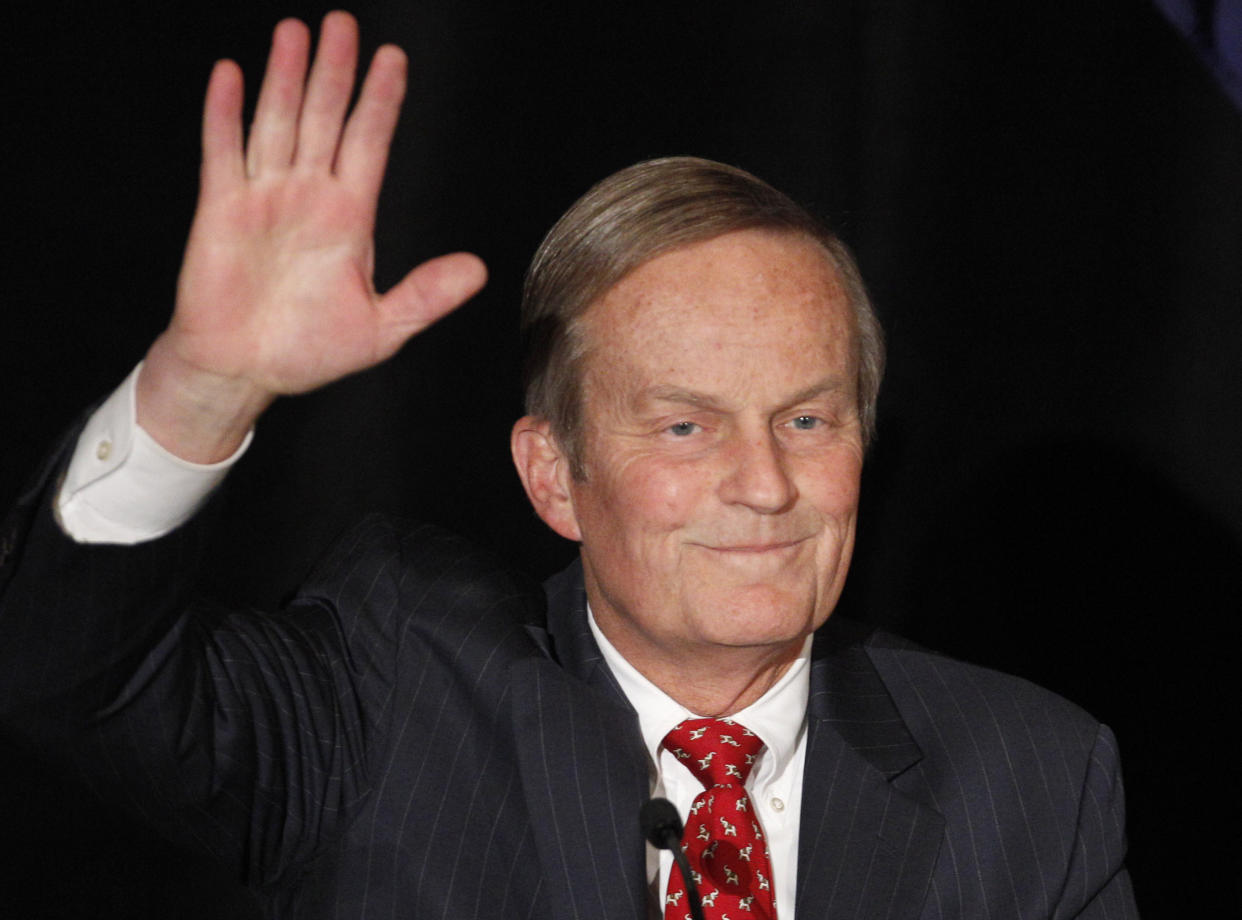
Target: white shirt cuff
123 487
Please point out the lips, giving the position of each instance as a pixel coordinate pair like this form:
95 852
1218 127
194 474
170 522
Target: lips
754 548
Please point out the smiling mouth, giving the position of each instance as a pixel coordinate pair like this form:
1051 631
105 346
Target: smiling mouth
755 548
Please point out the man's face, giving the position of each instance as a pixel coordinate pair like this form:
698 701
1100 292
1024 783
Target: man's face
722 448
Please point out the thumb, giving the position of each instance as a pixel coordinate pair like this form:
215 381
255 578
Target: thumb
430 291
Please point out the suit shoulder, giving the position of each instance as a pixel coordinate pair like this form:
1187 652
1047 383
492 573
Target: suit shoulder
1012 769
957 700
412 570
945 700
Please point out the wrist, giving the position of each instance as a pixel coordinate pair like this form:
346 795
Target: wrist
195 414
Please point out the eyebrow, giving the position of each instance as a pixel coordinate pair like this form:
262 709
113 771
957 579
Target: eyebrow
676 394
668 393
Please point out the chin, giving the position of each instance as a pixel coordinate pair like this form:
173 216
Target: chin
762 616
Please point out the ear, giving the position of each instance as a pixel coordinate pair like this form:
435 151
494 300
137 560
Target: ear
544 470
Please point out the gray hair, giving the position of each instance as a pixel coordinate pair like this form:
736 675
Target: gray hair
630 218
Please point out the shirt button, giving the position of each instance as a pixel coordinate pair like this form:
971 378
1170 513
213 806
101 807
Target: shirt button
777 803
104 450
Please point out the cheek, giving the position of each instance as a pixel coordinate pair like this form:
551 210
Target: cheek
663 497
833 487
840 501
632 503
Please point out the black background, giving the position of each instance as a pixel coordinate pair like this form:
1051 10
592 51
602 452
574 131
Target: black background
1045 198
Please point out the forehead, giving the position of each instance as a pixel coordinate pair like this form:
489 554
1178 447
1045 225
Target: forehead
752 297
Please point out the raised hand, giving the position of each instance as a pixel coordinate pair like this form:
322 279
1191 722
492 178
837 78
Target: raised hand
275 294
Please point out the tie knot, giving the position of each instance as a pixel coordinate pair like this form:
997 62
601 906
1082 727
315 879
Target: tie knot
719 752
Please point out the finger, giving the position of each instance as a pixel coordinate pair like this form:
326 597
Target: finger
273 134
430 291
327 92
223 163
368 133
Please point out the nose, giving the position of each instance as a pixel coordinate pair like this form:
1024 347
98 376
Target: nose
758 476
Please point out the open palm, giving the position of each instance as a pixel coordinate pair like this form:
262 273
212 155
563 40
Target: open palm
275 294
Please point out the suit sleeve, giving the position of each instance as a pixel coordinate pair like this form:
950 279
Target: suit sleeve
1097 884
240 734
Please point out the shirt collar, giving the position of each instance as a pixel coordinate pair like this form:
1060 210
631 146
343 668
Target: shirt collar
777 717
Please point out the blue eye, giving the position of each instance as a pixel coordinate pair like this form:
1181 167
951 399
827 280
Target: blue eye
805 422
681 429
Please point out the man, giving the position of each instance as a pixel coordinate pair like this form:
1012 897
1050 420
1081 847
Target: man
421 734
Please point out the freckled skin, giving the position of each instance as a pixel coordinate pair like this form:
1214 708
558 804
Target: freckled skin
722 452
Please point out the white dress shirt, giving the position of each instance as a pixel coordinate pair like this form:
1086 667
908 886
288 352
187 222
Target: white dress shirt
775 783
122 487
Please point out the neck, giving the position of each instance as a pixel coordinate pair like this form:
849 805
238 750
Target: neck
715 683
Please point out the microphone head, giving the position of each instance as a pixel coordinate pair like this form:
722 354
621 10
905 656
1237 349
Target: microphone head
660 823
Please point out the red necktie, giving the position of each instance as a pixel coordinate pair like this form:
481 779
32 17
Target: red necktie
723 841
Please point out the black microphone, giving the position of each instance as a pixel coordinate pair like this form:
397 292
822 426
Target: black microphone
661 826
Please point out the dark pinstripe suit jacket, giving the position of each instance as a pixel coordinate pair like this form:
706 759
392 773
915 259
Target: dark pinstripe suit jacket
416 737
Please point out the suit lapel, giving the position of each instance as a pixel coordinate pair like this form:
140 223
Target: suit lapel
865 848
583 769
